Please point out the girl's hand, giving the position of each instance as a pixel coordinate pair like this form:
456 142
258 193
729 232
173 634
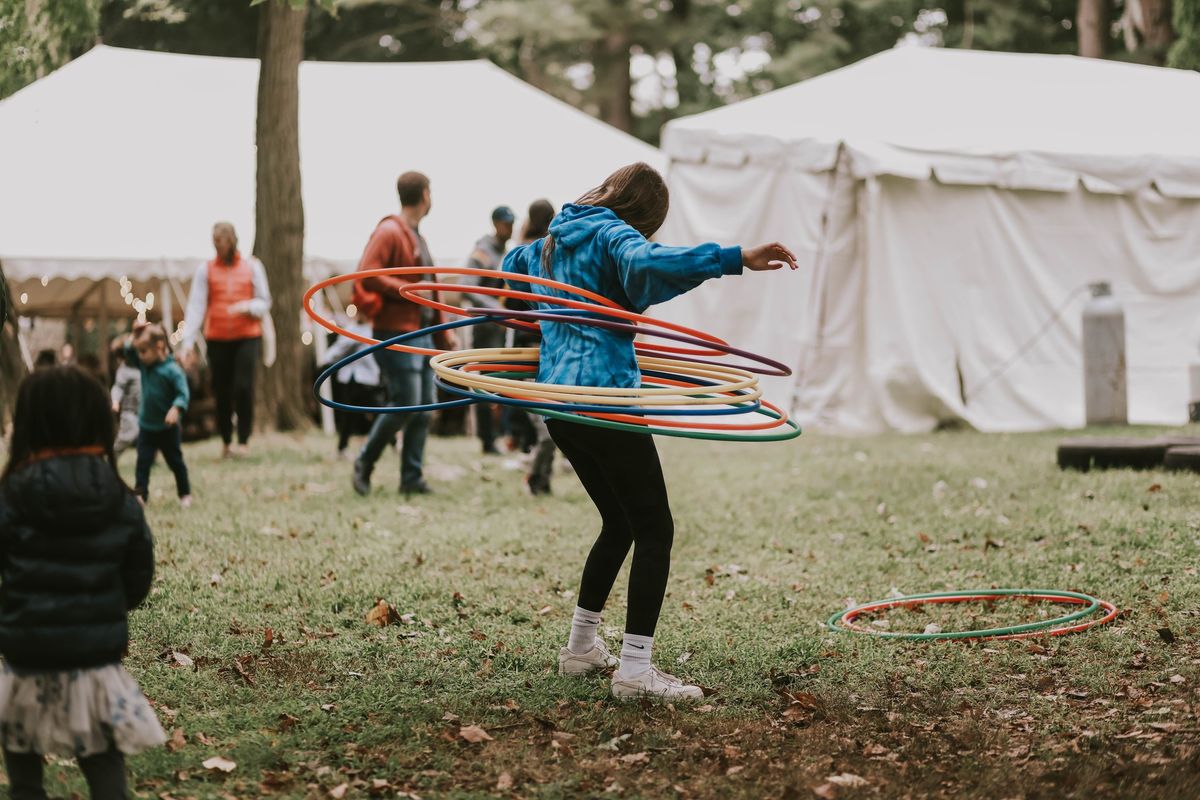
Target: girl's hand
172 416
768 256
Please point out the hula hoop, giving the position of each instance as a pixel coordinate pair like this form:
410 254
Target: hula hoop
600 300
844 621
573 318
745 403
682 386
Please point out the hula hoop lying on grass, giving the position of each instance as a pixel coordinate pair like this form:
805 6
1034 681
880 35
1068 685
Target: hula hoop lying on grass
845 621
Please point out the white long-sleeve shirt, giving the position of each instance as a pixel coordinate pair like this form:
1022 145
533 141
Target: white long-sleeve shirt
197 305
365 371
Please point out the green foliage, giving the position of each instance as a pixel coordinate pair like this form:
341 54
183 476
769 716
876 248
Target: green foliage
1185 53
38 36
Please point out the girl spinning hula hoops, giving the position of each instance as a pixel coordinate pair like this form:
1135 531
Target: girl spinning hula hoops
600 243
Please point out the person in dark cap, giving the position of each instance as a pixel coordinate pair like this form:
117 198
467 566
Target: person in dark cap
488 253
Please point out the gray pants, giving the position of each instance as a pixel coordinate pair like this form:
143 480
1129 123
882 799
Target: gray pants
543 456
127 432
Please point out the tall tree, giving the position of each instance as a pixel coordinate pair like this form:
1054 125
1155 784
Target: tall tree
38 36
1092 25
278 208
1185 53
12 366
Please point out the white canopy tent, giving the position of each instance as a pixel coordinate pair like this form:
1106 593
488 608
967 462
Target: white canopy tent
119 163
948 208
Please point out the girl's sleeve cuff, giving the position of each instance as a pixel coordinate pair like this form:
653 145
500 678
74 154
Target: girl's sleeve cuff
731 260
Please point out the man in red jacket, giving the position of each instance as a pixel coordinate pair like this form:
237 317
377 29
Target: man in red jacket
407 377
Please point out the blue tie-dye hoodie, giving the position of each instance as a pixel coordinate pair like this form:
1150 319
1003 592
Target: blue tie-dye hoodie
594 249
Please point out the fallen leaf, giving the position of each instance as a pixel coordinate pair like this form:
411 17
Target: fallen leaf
215 579
287 722
474 734
544 610
635 758
1167 635
218 764
851 780
826 790
1155 487
339 791
734 770
1177 679
177 740
176 658
504 782
704 709
268 638
382 614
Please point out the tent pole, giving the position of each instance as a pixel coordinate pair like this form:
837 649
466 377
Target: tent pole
168 305
104 332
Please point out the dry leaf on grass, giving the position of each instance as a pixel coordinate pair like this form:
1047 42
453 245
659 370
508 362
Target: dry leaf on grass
176 659
504 782
382 614
636 758
826 790
474 734
339 791
218 764
849 780
177 740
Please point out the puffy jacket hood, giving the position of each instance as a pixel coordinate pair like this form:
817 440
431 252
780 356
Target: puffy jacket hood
66 491
575 224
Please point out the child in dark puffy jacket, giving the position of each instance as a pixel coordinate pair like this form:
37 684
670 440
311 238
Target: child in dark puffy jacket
75 557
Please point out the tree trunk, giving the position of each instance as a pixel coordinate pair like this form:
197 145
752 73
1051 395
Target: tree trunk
1157 33
1091 24
12 366
614 85
279 211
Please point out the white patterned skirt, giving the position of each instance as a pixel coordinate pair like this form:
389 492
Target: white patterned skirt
75 713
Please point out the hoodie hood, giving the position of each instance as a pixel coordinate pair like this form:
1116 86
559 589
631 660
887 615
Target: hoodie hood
66 491
575 224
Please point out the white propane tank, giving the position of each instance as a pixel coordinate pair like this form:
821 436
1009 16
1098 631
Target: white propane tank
1104 358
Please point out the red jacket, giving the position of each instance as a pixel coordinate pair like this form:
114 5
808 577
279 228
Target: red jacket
229 284
394 244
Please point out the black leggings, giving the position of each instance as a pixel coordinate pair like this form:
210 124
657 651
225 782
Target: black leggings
233 364
622 475
105 774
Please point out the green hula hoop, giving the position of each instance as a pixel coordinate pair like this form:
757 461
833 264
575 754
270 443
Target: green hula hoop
1092 606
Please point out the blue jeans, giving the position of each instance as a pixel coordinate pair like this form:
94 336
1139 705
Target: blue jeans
408 381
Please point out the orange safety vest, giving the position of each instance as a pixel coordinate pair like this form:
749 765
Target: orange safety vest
229 284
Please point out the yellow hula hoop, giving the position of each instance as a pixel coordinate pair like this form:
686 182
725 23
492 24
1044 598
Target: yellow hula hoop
445 365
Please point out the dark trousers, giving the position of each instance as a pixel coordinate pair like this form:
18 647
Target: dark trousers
105 774
622 474
233 365
408 380
353 423
488 335
169 442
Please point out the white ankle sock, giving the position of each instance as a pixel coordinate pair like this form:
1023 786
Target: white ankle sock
635 654
583 630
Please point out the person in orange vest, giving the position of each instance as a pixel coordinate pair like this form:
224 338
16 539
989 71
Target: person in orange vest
228 301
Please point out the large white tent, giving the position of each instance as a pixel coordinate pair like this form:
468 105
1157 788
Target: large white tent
949 209
118 163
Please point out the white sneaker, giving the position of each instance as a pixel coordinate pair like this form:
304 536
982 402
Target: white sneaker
594 660
656 684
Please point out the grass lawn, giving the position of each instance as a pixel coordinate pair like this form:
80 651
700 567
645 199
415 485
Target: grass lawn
263 589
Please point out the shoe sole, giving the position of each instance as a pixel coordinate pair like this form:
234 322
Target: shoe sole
625 698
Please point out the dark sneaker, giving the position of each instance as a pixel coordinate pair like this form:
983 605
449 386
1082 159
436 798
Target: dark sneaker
361 478
416 488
